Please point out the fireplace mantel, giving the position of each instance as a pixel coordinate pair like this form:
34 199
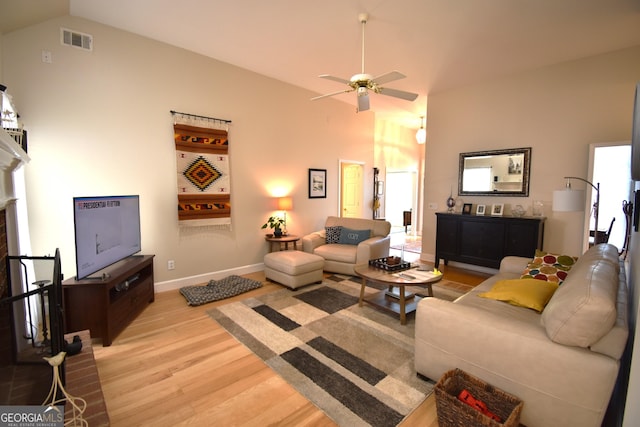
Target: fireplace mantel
12 156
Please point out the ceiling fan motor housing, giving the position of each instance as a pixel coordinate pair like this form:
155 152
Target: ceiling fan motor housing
361 79
363 83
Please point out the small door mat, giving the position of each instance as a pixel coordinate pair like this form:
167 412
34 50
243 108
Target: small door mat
218 289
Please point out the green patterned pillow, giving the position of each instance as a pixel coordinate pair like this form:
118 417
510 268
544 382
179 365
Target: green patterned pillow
549 267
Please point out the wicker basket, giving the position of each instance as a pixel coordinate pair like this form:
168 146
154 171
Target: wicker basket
454 413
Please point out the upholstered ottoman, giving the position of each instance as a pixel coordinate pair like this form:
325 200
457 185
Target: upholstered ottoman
293 268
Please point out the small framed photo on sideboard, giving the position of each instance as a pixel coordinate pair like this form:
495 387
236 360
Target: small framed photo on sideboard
496 209
466 209
480 210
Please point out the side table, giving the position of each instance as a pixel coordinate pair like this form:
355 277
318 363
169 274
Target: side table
290 238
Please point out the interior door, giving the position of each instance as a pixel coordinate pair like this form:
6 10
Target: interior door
351 194
609 166
401 195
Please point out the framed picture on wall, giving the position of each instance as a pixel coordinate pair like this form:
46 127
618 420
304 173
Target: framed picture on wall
317 183
496 209
480 210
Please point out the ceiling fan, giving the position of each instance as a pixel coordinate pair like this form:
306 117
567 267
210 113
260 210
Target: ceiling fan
362 83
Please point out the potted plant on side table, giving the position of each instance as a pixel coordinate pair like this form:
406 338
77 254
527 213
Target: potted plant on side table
276 223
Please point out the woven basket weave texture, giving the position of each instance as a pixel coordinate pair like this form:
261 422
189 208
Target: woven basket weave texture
454 413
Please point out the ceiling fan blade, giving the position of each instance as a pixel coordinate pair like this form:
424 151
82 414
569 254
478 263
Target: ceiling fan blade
363 102
397 93
391 76
335 79
332 94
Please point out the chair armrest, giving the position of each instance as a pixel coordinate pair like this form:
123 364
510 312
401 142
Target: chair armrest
313 240
372 248
514 264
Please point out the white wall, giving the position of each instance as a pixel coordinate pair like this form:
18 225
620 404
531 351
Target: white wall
557 110
1 77
396 149
99 124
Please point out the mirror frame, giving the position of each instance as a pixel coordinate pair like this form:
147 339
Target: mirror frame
526 167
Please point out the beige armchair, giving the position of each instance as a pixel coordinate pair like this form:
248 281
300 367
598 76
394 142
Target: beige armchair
350 244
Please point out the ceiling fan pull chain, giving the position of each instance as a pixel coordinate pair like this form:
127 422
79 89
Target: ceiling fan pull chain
363 19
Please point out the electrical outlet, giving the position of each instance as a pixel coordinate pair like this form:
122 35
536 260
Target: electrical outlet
46 57
171 264
433 206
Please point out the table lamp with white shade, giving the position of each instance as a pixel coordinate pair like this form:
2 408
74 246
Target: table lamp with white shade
285 204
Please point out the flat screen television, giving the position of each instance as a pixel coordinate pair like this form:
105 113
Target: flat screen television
107 230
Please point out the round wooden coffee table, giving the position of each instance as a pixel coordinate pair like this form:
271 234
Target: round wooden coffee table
395 299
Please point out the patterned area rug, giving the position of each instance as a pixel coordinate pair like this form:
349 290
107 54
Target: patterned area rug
218 289
354 363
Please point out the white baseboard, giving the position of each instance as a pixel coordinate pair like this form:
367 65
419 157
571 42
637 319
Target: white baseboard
478 268
204 278
472 267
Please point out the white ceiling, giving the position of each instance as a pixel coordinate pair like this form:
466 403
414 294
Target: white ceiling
437 44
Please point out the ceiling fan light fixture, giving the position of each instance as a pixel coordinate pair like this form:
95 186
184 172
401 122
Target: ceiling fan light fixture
363 102
421 134
362 82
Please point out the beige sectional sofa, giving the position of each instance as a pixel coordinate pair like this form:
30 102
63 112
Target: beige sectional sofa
563 362
343 257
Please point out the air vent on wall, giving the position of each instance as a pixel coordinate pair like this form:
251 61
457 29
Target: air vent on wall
76 39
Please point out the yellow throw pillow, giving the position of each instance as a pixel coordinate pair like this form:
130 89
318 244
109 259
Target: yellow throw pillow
529 293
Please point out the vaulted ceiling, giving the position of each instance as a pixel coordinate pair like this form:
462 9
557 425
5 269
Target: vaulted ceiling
437 44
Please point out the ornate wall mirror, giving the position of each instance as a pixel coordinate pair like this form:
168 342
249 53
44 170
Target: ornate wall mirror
495 173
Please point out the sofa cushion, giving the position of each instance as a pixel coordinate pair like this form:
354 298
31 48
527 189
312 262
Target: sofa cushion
550 267
583 309
337 252
353 237
333 233
529 293
603 251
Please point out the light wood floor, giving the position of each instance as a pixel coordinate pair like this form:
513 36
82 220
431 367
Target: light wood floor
175 366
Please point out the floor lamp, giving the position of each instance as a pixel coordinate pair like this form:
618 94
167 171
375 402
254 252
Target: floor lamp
569 200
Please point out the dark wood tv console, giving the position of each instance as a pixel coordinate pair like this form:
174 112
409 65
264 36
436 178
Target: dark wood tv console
485 240
107 305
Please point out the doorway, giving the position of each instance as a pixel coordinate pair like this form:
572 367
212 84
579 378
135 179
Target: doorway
401 196
351 189
610 166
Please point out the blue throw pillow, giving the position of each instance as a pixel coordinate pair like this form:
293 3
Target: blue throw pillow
333 233
353 237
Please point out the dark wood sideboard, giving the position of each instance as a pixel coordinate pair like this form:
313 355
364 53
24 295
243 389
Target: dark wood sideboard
106 306
485 240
